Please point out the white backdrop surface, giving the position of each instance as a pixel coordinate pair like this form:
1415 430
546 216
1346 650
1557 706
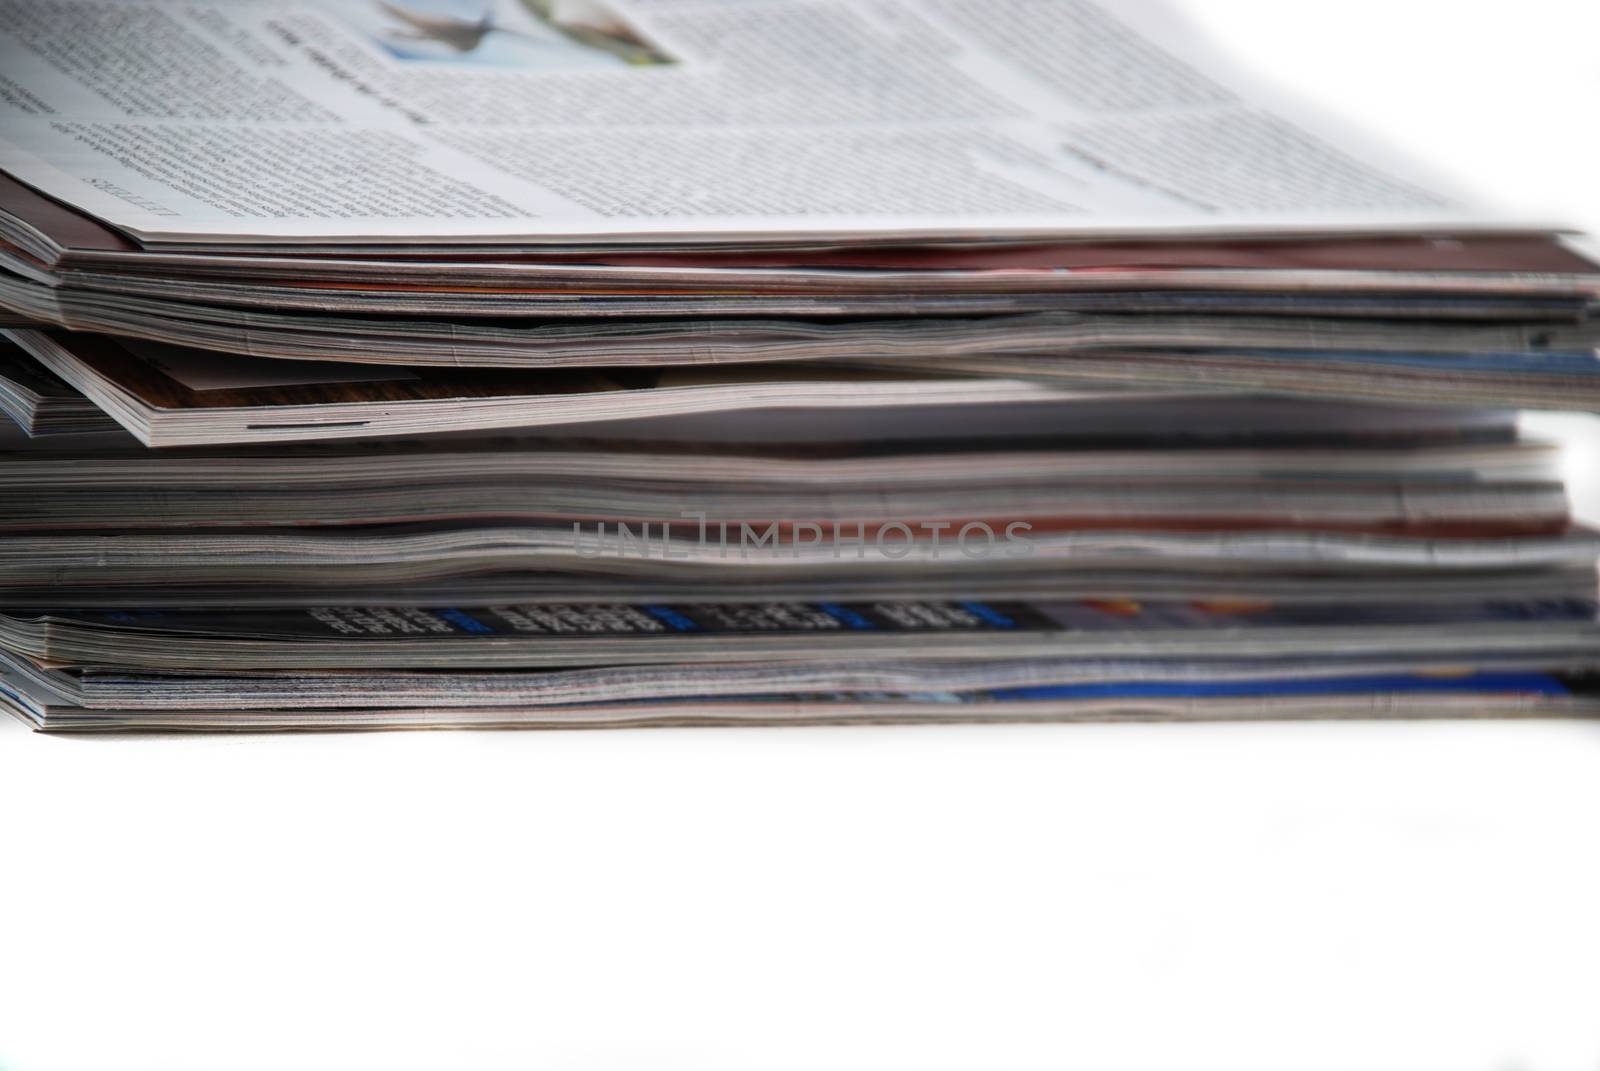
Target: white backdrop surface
1331 896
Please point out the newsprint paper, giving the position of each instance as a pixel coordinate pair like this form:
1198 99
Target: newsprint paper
580 121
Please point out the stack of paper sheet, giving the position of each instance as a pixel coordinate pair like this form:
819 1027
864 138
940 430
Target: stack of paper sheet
456 362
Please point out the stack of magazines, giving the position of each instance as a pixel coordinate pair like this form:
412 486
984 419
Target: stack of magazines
434 363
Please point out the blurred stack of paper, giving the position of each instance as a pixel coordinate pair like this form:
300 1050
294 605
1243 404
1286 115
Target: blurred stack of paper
40 403
797 361
1204 557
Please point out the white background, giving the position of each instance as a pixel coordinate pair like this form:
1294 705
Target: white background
1283 896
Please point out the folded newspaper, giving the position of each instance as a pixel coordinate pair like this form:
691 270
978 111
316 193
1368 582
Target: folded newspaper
437 363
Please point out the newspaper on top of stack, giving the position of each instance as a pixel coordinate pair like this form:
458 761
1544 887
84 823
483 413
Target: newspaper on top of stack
603 362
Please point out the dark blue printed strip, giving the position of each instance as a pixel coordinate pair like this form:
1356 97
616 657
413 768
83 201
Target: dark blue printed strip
466 622
845 615
674 620
1488 683
990 614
